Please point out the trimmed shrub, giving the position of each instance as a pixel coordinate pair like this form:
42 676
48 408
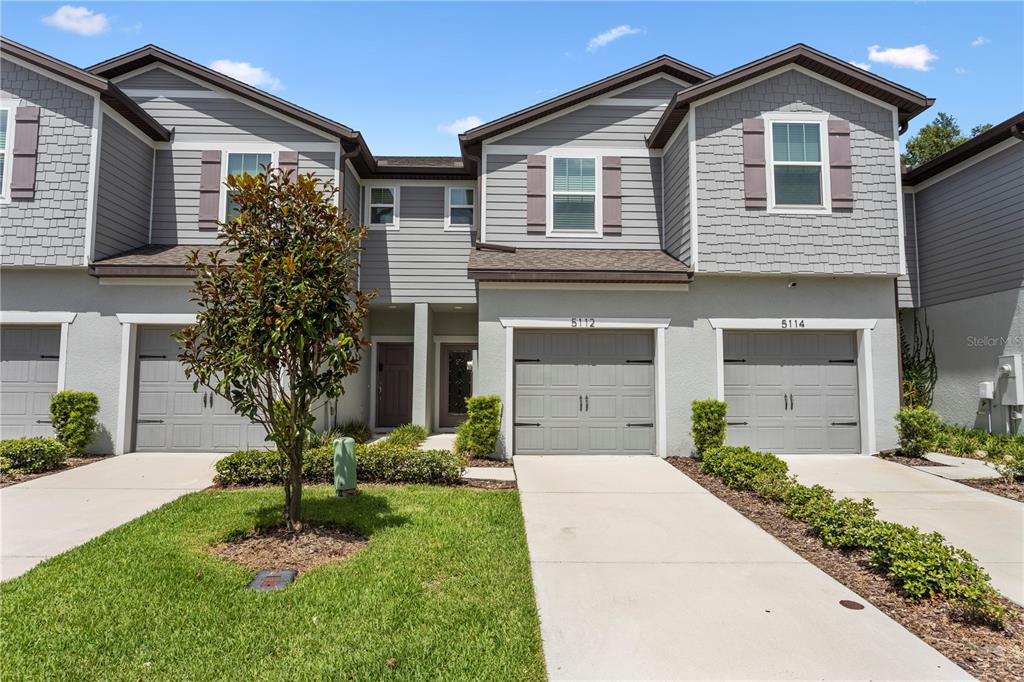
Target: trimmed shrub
1007 455
739 469
478 435
74 418
918 428
805 503
771 486
711 462
845 524
407 434
355 429
31 455
707 425
250 467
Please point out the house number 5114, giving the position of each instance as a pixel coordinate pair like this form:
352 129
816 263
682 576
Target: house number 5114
583 322
792 324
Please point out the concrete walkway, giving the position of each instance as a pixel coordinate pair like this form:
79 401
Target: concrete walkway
642 574
988 526
958 468
48 516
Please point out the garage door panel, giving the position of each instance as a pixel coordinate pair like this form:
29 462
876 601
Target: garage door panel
602 439
774 438
840 407
638 439
529 374
767 375
809 437
529 406
152 436
736 374
602 376
806 405
637 375
187 436
767 345
563 375
637 345
739 406
839 346
603 344
13 403
188 404
638 407
29 368
226 435
602 407
768 405
841 375
563 345
563 439
529 438
563 406
844 439
806 375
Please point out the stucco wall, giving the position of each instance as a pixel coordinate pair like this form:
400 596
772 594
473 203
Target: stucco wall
691 350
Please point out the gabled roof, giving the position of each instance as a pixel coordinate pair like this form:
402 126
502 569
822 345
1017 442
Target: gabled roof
659 65
908 102
1011 127
109 93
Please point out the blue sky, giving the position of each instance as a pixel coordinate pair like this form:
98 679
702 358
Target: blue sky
410 74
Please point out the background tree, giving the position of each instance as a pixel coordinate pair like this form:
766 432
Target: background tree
936 138
280 317
980 128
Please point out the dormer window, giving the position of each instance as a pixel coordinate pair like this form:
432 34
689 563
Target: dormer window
796 163
573 195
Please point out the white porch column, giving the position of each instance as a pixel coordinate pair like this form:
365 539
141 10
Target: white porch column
421 366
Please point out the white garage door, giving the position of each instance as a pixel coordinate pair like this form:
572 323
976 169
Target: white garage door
171 417
584 392
792 392
29 360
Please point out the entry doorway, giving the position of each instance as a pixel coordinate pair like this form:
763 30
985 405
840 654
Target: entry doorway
394 384
456 383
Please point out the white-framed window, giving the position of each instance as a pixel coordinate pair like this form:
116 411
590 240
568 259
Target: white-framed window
460 209
797 160
6 143
383 207
242 163
573 208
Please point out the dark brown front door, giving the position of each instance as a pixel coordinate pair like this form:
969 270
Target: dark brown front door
394 384
456 383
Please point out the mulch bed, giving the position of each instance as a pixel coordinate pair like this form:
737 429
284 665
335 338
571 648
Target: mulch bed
488 462
69 463
909 460
981 651
276 548
488 485
998 486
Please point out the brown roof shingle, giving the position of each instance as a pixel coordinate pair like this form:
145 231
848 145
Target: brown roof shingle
154 260
575 265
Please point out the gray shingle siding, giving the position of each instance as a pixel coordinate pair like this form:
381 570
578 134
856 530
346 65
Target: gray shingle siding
352 195
970 230
732 238
906 285
158 79
593 125
661 88
420 261
50 228
677 197
124 192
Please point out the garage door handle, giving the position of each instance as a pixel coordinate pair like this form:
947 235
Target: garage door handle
842 362
526 424
149 421
844 423
735 423
640 424
43 421
639 362
152 357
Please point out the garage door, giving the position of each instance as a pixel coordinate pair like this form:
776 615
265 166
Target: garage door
792 392
29 358
584 392
170 416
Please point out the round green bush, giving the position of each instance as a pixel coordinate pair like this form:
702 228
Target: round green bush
31 455
918 428
707 425
73 414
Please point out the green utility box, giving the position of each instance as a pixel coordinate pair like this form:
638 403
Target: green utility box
345 466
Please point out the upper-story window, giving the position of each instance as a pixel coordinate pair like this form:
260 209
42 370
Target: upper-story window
382 206
796 164
574 195
461 208
244 164
5 141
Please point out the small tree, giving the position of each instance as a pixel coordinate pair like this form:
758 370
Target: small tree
936 138
280 317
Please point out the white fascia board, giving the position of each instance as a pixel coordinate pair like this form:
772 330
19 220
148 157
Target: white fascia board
691 130
92 200
900 228
156 318
36 318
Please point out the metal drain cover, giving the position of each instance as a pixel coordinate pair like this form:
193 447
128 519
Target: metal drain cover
268 581
850 604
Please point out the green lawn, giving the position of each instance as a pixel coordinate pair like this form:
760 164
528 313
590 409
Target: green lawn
443 588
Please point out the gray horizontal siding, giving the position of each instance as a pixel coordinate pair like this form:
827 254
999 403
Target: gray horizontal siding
158 79
662 88
226 119
419 262
352 195
124 190
906 285
732 238
970 230
593 125
677 197
641 206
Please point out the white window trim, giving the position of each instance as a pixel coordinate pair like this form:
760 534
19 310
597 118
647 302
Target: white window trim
225 153
821 119
448 206
598 231
396 196
11 107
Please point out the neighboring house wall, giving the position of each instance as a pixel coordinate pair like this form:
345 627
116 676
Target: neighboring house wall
970 230
420 261
676 161
906 285
125 190
50 229
733 238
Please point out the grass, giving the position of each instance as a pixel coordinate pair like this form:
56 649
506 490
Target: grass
443 588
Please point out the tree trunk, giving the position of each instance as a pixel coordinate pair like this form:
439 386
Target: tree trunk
293 496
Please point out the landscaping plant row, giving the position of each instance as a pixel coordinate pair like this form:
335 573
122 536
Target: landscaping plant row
922 431
73 416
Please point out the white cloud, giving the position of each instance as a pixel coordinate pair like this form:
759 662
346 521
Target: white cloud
917 57
980 40
959 70
459 125
80 20
861 65
134 28
611 35
247 73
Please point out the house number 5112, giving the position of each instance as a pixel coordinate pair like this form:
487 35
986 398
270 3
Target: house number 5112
792 324
583 322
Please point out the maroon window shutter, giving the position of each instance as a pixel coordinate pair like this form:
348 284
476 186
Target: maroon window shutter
611 191
289 161
536 194
755 192
26 144
209 190
840 163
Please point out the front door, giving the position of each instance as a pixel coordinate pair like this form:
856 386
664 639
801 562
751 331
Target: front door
394 384
456 383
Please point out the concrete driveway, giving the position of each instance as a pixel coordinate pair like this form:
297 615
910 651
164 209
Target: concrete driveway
642 574
47 516
988 526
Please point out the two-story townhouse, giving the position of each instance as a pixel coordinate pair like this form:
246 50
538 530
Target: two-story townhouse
598 260
965 275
